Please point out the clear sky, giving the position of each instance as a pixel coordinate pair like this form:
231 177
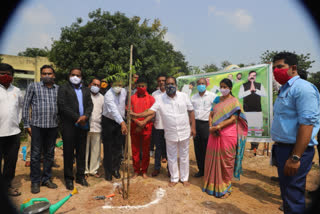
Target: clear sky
205 31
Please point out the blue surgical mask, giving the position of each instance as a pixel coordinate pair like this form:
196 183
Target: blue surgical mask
171 89
201 88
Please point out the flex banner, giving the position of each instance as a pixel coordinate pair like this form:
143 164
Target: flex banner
251 85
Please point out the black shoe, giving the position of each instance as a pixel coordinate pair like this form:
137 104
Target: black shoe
82 181
116 174
50 184
273 178
55 165
198 174
69 185
108 177
35 188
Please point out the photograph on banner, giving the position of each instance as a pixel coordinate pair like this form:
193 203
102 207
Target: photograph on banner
251 85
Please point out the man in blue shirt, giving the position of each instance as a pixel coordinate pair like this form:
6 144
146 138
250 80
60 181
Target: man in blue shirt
295 125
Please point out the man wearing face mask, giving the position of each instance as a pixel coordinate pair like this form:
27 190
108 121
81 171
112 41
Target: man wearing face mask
113 129
42 126
179 125
11 102
75 108
141 128
93 139
251 92
202 103
295 124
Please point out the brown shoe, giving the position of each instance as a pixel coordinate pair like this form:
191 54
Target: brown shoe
155 173
172 184
164 160
27 164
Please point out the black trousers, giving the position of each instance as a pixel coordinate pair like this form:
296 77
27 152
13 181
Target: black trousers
161 150
113 141
73 138
43 141
201 142
9 148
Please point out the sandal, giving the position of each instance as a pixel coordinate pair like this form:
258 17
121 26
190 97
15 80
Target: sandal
13 192
97 175
225 196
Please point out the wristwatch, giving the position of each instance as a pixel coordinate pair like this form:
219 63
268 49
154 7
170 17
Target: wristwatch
295 158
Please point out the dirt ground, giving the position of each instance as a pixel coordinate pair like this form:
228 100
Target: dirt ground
254 193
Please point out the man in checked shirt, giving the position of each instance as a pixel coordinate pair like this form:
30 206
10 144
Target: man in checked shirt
42 126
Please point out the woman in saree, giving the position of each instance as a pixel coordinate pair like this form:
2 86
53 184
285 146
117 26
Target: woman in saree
227 136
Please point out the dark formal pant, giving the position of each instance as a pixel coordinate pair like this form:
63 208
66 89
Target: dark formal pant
318 147
74 139
161 150
200 143
43 139
293 187
9 148
112 140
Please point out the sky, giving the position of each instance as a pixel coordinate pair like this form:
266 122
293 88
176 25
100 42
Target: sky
205 31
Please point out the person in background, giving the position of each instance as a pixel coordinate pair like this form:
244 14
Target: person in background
75 108
103 86
228 130
201 102
239 77
177 113
42 127
93 149
158 130
141 128
113 128
11 102
295 124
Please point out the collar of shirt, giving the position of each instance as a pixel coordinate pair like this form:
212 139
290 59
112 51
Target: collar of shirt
75 87
289 83
10 87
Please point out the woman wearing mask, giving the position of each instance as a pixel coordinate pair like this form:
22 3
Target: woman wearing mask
228 130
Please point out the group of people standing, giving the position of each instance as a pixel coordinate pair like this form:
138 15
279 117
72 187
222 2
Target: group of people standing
168 117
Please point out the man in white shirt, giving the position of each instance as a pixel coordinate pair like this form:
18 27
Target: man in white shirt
113 129
177 113
93 149
158 131
202 103
11 102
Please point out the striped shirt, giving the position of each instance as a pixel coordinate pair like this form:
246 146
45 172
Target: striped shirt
43 103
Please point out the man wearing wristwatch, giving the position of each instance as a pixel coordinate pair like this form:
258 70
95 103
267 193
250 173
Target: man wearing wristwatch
295 125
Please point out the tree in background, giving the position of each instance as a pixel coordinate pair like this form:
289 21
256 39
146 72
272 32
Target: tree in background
210 68
101 47
34 52
225 64
315 79
304 62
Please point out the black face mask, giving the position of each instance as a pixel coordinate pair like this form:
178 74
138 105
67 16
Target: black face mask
171 89
47 80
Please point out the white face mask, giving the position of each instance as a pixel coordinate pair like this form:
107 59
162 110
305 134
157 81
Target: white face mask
75 80
116 89
224 91
94 89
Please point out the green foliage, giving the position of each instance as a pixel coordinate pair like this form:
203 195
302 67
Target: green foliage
210 68
315 79
101 47
304 62
34 52
225 64
195 70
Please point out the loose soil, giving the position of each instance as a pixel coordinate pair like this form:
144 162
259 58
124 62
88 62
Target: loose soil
254 193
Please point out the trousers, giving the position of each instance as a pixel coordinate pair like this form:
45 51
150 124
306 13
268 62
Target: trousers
141 143
161 151
173 148
201 142
293 187
43 140
93 153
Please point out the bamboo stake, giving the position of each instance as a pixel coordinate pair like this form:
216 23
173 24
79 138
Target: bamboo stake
125 168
